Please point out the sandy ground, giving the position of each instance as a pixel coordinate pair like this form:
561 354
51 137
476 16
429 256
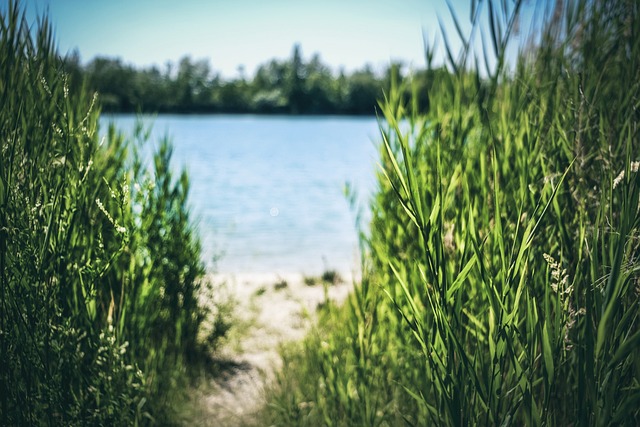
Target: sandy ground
271 309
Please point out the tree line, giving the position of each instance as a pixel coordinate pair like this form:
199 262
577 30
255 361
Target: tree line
290 86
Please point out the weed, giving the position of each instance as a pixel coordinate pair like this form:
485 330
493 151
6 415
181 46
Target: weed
310 280
280 284
331 277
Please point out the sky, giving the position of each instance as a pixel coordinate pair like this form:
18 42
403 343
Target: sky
346 33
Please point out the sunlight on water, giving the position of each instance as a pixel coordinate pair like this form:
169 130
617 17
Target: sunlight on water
267 192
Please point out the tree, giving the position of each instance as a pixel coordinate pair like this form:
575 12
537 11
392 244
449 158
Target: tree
295 82
192 85
114 81
363 92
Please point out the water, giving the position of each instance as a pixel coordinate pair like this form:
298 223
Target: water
267 192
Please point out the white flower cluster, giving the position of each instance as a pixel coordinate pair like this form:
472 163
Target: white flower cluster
119 228
45 86
559 282
558 274
633 167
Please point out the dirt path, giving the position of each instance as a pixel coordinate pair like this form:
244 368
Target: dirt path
271 310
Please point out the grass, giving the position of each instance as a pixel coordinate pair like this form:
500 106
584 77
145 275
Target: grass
100 271
330 277
280 285
310 280
501 277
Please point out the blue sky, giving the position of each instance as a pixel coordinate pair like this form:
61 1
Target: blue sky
346 33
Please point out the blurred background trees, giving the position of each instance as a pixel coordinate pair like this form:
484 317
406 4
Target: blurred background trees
291 86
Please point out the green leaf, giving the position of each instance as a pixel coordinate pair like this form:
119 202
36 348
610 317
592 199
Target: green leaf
630 345
462 276
547 353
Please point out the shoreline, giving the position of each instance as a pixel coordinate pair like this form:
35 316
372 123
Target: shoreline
270 310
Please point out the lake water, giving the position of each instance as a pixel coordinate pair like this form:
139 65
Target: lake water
267 192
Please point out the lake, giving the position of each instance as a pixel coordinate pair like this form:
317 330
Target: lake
267 192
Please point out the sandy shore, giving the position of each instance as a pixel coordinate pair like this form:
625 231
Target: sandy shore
271 309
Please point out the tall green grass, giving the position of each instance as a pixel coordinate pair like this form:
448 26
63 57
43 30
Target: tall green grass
100 270
501 281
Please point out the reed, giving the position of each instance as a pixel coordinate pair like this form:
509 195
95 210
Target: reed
100 269
501 278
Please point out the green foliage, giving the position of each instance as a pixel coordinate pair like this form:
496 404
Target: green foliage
280 284
331 277
100 270
501 282
292 86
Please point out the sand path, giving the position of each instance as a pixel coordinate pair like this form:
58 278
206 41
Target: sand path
271 309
